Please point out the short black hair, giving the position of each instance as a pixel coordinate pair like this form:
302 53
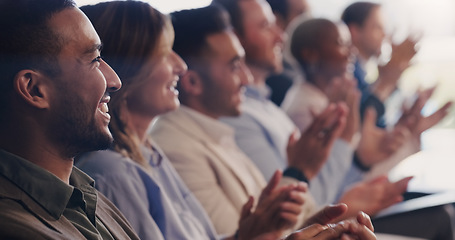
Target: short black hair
358 12
26 41
280 7
233 8
308 35
192 27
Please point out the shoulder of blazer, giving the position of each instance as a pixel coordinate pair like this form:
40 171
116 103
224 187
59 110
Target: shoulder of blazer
178 121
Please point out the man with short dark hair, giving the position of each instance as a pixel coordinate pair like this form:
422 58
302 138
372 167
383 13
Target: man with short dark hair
54 94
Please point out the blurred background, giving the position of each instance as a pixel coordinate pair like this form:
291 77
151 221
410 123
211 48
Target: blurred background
433 20
434 65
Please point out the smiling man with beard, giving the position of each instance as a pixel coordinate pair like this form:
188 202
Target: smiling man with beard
54 93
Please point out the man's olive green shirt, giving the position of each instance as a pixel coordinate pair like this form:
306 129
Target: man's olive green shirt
35 204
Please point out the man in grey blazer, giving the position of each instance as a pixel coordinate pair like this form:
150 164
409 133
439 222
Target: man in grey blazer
54 89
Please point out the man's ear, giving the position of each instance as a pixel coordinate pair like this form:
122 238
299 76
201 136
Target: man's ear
355 31
33 88
310 54
191 83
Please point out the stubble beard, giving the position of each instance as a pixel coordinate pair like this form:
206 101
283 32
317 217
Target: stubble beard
76 129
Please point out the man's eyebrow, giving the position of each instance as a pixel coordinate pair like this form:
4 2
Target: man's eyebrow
93 48
235 59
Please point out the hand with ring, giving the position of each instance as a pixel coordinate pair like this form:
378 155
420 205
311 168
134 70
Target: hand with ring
311 150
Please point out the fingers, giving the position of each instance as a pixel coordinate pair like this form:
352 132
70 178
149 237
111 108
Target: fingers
320 121
292 142
353 100
307 233
348 237
293 194
361 232
402 53
427 93
402 185
393 192
333 231
398 135
246 209
297 195
378 180
443 111
289 212
330 123
327 214
327 126
360 228
364 219
370 118
338 126
281 208
418 105
435 118
294 137
272 184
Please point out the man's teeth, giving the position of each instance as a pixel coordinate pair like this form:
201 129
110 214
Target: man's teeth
173 85
277 50
104 108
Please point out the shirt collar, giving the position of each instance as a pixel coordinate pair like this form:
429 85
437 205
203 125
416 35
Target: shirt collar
360 62
214 128
37 182
258 92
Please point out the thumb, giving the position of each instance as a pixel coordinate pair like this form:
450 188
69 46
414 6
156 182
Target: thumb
292 141
307 233
246 209
378 180
272 184
402 184
370 117
293 138
327 214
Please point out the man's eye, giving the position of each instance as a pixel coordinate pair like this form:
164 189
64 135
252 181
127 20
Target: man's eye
235 66
97 59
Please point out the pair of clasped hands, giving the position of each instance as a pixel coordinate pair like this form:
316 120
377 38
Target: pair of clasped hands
278 210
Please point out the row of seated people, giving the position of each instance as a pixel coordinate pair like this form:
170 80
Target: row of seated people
224 86
212 189
55 90
226 190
